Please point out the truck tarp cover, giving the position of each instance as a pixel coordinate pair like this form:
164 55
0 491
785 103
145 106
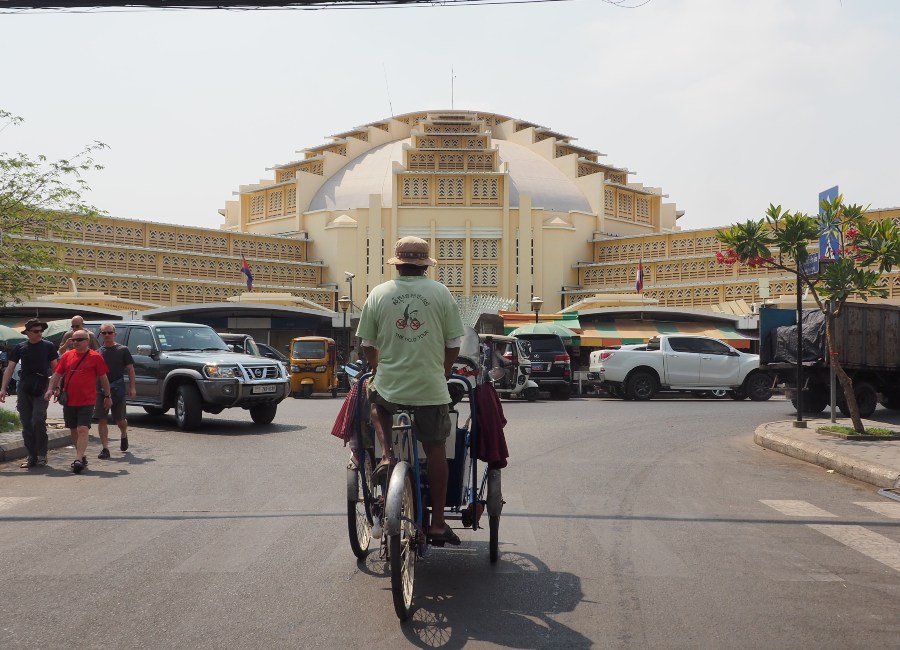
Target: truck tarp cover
784 339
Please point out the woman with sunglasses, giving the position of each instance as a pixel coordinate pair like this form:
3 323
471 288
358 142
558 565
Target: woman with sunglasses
78 371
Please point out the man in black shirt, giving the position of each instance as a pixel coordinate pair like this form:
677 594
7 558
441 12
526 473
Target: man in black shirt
119 360
38 358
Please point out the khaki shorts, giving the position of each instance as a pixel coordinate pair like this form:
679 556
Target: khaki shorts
432 422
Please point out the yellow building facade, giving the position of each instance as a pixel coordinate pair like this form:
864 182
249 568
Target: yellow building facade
512 210
509 207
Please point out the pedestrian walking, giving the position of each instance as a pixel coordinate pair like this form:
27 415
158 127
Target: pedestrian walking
38 358
74 382
119 362
77 324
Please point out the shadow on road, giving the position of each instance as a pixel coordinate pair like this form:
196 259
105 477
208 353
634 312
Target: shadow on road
211 427
516 601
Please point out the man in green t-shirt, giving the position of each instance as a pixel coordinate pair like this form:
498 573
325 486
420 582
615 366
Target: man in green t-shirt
411 331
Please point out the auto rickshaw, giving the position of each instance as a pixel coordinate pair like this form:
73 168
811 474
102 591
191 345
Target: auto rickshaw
313 366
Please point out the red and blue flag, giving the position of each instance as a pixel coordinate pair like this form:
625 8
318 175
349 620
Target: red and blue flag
245 269
639 277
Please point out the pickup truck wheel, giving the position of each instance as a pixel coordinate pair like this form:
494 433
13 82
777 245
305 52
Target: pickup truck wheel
264 413
154 410
757 387
641 386
188 407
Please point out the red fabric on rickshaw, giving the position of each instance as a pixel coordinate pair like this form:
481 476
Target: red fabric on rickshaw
491 439
348 415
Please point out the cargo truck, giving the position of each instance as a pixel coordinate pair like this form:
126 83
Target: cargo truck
867 342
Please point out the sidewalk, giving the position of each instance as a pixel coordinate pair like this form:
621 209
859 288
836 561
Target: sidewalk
12 447
875 462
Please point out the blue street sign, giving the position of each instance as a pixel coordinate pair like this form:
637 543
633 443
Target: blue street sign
811 266
828 246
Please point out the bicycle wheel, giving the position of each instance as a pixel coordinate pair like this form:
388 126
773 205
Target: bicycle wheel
358 526
494 526
401 520
494 508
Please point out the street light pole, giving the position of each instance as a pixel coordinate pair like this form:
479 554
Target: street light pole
536 304
799 423
345 302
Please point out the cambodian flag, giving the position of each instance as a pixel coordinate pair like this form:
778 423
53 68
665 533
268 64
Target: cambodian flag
245 269
639 277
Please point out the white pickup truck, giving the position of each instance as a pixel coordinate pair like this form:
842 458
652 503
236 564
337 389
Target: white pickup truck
680 362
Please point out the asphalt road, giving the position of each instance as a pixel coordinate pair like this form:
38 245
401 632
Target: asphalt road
627 525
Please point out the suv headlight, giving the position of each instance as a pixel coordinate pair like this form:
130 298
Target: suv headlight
214 371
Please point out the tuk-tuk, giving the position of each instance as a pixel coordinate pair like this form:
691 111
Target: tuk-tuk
505 361
313 366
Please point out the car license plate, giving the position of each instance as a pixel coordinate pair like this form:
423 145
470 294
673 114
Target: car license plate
538 367
270 388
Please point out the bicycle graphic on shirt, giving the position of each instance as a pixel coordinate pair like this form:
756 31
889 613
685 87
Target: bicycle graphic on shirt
409 318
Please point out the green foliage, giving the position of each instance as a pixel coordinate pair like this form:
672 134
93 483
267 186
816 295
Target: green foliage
9 421
871 431
866 250
38 199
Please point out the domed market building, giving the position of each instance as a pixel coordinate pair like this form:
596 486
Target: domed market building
512 210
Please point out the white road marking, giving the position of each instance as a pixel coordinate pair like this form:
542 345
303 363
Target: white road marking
796 508
890 510
11 502
878 547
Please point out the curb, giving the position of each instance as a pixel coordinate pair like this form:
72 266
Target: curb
850 466
15 450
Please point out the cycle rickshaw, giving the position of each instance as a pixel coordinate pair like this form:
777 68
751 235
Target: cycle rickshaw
391 508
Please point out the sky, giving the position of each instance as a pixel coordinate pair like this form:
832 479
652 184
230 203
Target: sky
726 105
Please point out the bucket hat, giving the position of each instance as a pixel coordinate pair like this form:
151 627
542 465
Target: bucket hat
35 322
411 250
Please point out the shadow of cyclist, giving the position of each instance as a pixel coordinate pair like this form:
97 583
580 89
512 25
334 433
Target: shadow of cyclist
516 601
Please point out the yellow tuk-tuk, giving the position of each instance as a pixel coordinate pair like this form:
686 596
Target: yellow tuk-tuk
313 366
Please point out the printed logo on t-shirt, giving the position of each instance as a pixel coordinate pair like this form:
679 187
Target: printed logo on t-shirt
409 324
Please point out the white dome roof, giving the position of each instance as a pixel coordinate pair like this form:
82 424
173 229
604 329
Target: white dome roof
370 173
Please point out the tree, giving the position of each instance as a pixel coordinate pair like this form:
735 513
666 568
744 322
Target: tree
866 249
38 199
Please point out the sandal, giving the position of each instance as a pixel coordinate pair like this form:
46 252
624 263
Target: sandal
77 466
446 537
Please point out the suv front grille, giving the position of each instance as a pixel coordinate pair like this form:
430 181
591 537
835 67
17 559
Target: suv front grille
261 373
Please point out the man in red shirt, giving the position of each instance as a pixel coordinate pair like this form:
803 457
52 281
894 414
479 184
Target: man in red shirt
78 371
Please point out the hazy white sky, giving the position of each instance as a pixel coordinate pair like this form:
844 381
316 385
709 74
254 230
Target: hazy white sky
728 105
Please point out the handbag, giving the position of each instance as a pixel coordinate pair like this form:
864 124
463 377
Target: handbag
63 396
117 389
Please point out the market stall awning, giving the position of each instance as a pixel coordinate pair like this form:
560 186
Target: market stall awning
620 332
568 336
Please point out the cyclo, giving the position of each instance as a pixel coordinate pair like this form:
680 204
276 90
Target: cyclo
392 508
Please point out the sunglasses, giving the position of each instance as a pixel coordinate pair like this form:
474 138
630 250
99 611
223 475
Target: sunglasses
79 339
37 331
107 333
